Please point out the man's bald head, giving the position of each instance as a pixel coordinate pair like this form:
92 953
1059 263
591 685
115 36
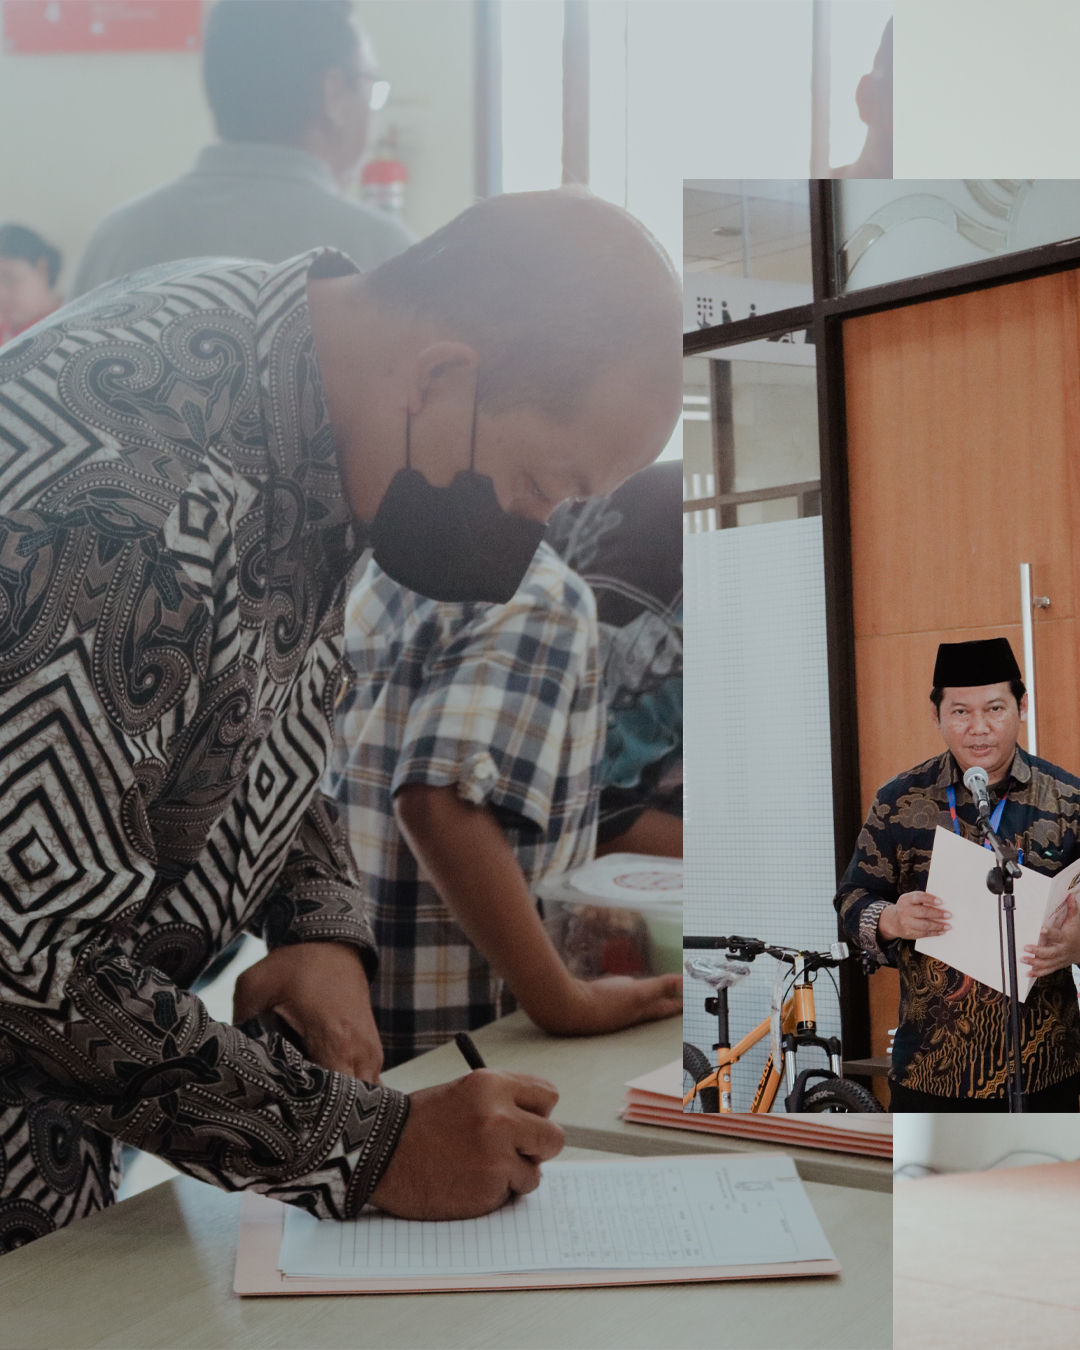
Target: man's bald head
552 290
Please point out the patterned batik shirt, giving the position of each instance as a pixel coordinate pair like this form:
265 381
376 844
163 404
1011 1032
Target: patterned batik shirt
503 703
951 1038
174 543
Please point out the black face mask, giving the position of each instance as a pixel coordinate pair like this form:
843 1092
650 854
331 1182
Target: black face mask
452 543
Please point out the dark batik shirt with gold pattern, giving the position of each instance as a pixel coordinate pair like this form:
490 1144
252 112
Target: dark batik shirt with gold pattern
174 543
951 1035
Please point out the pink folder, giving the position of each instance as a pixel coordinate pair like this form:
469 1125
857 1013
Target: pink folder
656 1099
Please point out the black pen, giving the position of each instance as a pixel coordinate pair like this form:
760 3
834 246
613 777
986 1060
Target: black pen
473 1057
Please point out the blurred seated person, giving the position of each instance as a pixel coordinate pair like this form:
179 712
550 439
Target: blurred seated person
465 771
29 268
628 547
874 99
290 85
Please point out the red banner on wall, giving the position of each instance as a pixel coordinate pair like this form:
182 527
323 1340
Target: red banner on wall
35 26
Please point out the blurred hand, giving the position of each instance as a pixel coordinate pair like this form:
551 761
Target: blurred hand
611 1003
1059 944
469 1145
915 915
321 990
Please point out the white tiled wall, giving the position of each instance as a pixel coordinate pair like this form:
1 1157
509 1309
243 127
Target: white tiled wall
759 829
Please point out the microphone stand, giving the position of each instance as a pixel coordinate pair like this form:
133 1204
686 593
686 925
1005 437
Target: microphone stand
999 881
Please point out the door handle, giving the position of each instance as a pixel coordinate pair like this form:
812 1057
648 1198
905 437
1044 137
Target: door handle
1027 604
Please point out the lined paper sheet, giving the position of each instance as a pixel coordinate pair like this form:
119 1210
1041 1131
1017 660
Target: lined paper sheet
633 1215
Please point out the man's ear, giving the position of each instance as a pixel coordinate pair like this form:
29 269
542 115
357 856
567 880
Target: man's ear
935 713
1023 708
442 369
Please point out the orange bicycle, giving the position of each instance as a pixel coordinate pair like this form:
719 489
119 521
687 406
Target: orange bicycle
792 1027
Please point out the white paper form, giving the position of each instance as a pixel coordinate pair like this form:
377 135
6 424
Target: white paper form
974 944
637 1215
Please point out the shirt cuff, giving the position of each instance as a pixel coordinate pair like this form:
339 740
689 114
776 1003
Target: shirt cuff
372 1145
336 928
477 780
869 939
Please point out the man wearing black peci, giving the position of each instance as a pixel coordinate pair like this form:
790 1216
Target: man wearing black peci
950 1048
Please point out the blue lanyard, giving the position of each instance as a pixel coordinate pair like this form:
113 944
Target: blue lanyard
995 820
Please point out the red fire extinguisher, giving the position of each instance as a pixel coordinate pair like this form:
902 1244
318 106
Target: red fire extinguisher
382 181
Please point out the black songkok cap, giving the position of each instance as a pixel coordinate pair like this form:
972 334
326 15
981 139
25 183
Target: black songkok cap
965 664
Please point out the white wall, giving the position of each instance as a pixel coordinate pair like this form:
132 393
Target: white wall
695 89
964 1143
987 89
80 134
759 828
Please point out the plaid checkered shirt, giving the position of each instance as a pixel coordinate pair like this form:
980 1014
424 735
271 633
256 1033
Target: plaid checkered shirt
502 702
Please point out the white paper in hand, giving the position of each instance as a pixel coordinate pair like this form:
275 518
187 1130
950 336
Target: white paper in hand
975 942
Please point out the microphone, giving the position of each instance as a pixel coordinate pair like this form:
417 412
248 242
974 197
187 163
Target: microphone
976 782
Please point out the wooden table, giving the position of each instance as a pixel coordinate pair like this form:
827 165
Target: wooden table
989 1260
590 1072
157 1270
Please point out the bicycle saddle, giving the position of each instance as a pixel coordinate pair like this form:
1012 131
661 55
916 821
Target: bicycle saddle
718 974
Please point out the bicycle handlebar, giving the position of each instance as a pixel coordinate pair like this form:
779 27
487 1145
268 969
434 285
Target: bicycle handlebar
746 949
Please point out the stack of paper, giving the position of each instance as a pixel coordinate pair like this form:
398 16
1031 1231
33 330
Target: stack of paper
632 1221
656 1099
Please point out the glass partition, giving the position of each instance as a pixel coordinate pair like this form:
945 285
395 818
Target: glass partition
750 441
746 249
699 473
891 229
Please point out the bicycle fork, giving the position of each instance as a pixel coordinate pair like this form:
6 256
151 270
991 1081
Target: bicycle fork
719 1007
806 1034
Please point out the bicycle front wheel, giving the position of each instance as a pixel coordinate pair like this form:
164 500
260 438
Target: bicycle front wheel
698 1067
840 1094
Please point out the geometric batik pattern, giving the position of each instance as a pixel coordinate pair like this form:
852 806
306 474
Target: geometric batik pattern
174 542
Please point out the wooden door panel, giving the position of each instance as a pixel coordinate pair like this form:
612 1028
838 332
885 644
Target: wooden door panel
958 457
964 461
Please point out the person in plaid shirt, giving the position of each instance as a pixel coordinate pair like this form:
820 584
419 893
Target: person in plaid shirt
466 767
